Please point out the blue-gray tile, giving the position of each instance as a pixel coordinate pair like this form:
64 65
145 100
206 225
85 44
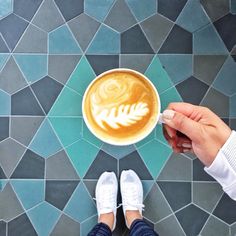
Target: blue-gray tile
3 46
232 123
232 102
3 228
4 128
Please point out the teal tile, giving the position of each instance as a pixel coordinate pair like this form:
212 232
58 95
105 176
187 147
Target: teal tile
81 76
232 104
3 59
68 129
43 218
6 7
87 225
178 66
147 185
106 41
45 142
34 67
5 101
82 155
98 9
69 103
61 41
81 206
159 134
149 138
141 9
29 192
154 155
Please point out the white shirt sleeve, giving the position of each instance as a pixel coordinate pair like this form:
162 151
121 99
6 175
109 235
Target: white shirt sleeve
223 168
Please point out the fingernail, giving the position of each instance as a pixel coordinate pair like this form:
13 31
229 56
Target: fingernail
186 150
168 114
168 132
187 145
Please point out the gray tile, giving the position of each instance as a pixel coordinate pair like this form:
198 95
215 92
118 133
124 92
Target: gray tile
48 17
11 77
3 228
10 206
91 186
4 128
11 153
233 229
2 174
206 195
233 124
232 102
3 46
156 206
217 102
84 28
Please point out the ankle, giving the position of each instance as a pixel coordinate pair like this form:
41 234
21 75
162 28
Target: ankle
131 216
108 219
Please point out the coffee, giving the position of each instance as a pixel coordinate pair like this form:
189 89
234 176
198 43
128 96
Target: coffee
121 106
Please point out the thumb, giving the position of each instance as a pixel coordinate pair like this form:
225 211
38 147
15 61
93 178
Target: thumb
182 123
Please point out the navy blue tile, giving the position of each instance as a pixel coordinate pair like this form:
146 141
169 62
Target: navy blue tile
226 209
171 8
3 228
31 166
4 128
3 46
178 194
101 63
2 174
59 192
179 41
24 103
26 8
70 8
192 90
21 226
133 41
192 219
12 27
198 172
47 91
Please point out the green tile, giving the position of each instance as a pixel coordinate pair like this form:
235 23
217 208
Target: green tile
149 138
82 155
159 134
155 155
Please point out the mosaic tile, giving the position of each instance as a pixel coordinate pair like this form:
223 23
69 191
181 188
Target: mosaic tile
203 46
179 41
87 225
147 186
5 101
173 63
3 228
156 206
29 192
159 134
43 218
11 153
3 59
83 209
61 41
149 138
233 229
232 103
133 41
34 40
134 161
84 28
115 21
4 128
198 172
206 67
141 10
58 192
82 154
66 226
101 63
206 195
59 167
91 186
5 8
192 214
48 16
233 124
12 28
226 209
11 77
21 225
3 46
233 6
31 166
106 41
2 174
60 67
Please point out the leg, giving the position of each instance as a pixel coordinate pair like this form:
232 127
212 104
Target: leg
100 229
141 228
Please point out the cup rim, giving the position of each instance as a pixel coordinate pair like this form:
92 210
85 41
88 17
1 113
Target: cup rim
134 140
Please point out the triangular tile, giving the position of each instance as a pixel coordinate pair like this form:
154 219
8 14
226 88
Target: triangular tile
34 40
48 216
24 187
147 186
34 67
11 77
3 46
45 141
106 41
3 183
4 128
2 174
91 186
88 225
5 101
46 91
58 192
83 209
70 100
179 41
59 167
48 17
3 59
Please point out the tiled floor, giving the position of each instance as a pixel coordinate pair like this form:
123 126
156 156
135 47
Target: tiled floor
50 50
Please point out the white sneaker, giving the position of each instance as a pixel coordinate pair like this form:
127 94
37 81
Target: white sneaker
106 194
131 191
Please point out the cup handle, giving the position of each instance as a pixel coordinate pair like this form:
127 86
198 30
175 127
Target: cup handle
161 121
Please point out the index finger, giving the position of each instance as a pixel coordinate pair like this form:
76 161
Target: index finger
182 107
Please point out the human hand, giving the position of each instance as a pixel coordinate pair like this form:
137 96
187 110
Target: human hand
204 132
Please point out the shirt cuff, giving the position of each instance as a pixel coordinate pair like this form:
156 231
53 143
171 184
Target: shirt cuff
223 168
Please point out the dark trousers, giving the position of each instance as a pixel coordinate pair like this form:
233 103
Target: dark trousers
138 228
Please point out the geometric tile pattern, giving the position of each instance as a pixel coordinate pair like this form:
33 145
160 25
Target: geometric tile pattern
50 50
